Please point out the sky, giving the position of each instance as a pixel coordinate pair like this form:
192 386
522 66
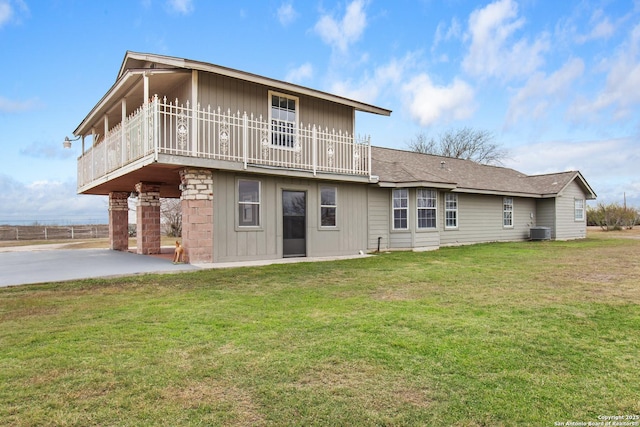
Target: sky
557 83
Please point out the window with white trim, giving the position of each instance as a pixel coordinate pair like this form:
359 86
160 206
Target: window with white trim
578 209
248 203
283 115
451 210
328 206
507 212
426 202
400 209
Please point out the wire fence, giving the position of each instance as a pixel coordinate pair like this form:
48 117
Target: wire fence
50 232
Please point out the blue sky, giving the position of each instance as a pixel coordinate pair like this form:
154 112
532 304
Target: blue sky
557 83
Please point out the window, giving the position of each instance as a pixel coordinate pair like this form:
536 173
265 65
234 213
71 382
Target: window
579 209
426 202
283 116
248 203
328 206
507 212
400 209
451 210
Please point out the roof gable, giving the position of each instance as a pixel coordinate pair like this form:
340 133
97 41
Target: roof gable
136 60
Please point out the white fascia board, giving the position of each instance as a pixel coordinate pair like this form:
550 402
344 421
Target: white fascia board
415 184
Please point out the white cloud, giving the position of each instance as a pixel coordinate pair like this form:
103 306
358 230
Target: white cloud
6 12
601 28
445 33
620 92
10 106
541 92
341 33
493 52
286 14
48 201
184 7
429 103
300 74
368 88
594 159
41 150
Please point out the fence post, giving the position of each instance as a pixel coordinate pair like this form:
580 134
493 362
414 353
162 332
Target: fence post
245 130
314 144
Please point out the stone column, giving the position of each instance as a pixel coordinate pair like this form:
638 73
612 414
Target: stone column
197 214
119 221
148 219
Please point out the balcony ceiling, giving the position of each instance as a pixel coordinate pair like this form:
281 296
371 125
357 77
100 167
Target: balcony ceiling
131 88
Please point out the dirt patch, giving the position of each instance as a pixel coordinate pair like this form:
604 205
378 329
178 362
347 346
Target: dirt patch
366 385
238 403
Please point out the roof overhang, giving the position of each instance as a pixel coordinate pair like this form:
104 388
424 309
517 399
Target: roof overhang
137 60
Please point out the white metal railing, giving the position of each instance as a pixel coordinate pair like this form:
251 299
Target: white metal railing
162 127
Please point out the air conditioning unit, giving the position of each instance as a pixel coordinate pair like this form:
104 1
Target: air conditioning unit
540 233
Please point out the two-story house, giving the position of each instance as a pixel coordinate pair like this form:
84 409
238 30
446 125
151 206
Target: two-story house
267 169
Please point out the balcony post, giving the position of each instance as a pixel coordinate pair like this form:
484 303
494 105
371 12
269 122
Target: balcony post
369 156
123 135
194 112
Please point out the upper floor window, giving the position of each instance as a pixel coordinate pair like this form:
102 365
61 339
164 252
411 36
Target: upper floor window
248 203
328 206
451 210
579 209
427 206
400 209
283 116
507 212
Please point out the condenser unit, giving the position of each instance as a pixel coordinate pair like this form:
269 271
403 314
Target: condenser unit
540 233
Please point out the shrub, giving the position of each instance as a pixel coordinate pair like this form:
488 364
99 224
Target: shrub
612 216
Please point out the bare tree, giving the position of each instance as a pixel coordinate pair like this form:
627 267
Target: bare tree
171 213
465 143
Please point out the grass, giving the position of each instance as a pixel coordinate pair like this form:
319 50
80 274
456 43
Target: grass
495 334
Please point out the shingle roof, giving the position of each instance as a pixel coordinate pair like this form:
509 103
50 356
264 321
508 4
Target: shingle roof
407 168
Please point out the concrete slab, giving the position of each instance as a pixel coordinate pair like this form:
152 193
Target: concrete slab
27 267
23 265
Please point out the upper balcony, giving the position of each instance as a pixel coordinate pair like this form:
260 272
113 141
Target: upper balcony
169 133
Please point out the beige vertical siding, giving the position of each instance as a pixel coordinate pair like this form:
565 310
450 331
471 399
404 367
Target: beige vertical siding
232 243
480 220
567 227
546 214
380 221
237 95
379 218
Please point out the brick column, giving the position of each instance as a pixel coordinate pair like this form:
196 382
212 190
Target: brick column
197 214
119 221
148 219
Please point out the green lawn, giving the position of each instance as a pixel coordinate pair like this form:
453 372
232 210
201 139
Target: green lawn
498 334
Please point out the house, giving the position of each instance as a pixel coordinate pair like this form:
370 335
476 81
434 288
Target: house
267 169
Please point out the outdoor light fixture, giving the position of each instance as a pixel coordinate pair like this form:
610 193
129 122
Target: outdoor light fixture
67 142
